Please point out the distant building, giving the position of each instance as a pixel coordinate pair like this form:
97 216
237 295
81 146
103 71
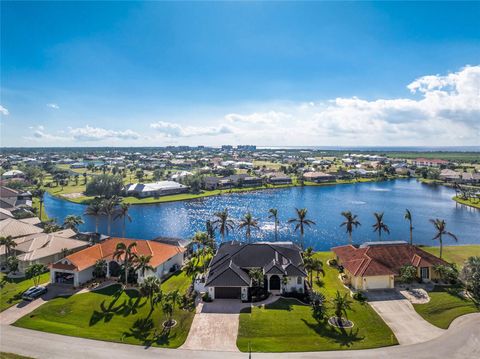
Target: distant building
279 179
13 174
246 147
227 147
425 162
318 177
12 199
155 189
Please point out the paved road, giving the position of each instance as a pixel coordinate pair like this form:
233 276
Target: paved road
460 341
407 325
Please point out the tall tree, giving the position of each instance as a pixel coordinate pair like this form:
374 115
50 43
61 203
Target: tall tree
440 226
151 288
40 194
203 241
274 215
122 213
34 272
109 206
142 264
223 223
249 223
9 244
127 255
341 304
301 221
72 221
408 217
379 225
95 209
351 222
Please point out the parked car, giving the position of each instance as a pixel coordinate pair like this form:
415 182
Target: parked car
34 292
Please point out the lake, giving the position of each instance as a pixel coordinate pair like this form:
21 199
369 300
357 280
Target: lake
325 203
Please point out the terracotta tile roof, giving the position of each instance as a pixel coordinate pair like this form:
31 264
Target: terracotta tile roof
384 259
87 257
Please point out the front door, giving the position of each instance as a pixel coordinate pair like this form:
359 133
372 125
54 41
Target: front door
275 282
425 272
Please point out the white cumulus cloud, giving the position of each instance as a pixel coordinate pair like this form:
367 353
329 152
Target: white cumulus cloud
4 111
89 133
169 129
53 106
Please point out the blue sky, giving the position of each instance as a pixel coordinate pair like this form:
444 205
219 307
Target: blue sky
133 73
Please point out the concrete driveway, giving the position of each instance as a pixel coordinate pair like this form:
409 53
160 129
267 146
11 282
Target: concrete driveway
12 314
398 313
215 325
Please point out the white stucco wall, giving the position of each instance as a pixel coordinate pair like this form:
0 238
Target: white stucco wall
378 282
292 285
84 276
165 267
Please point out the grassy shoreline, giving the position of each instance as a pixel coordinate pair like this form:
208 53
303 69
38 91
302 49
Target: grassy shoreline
467 202
190 196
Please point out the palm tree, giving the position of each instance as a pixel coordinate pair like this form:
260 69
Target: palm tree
440 226
191 269
248 222
274 214
341 304
71 221
151 288
123 213
308 253
308 264
203 241
222 223
95 209
408 217
125 253
108 208
351 221
317 266
379 226
142 264
9 244
174 298
40 193
300 222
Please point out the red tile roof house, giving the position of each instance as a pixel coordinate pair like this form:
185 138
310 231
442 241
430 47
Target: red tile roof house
376 265
77 268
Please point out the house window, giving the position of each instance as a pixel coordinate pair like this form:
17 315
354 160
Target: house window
299 280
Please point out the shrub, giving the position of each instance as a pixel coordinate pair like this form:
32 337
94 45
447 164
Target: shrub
333 262
360 297
448 273
206 297
408 273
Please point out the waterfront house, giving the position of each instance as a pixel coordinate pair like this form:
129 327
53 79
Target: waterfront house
78 268
279 179
280 262
376 265
155 189
213 182
318 177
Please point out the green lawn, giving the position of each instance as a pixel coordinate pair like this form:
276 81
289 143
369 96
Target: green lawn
110 315
467 202
287 325
12 356
444 307
179 280
455 254
11 289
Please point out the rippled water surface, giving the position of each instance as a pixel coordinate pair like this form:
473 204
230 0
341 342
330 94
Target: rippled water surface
183 219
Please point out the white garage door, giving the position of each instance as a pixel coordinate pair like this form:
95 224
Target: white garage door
377 282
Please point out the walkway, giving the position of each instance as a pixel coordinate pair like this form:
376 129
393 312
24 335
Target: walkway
215 325
460 341
398 313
